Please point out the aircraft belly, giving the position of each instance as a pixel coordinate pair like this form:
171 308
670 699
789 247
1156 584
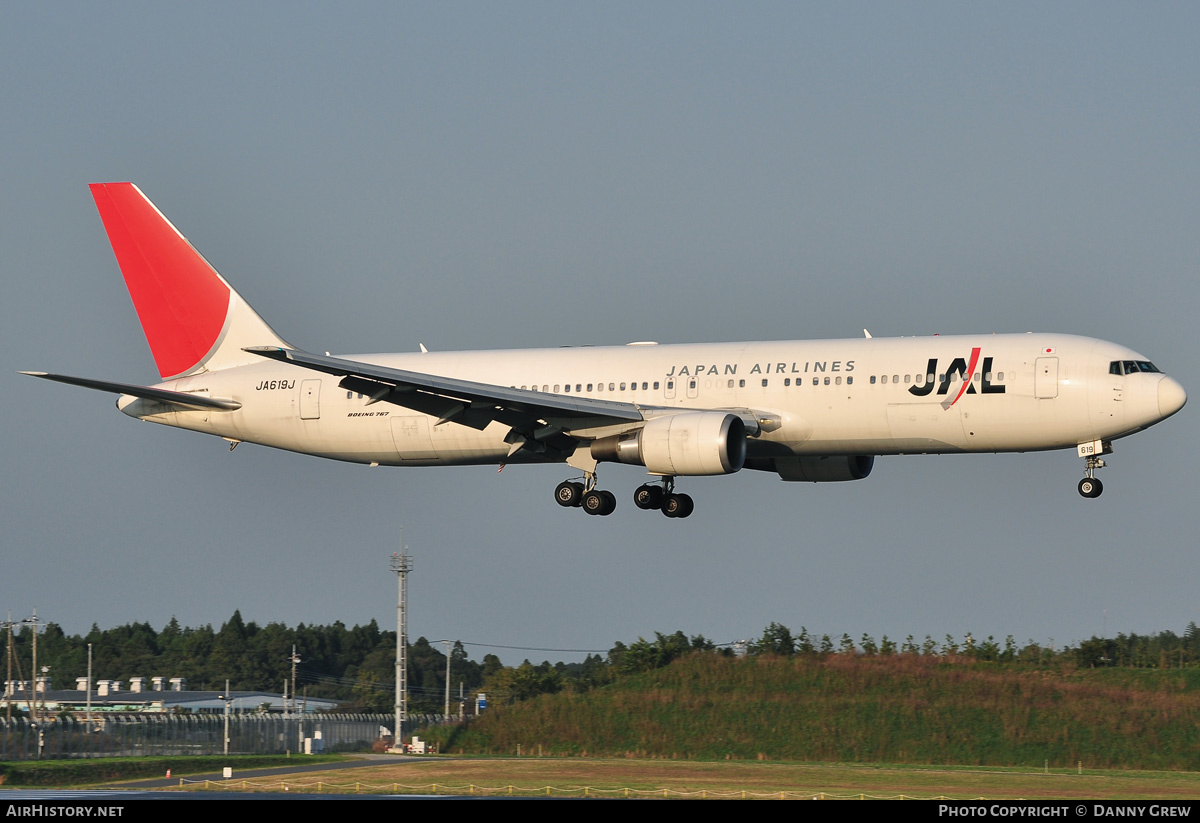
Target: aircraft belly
925 427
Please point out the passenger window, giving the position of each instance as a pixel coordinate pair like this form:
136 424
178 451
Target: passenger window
883 379
907 378
741 384
764 382
826 381
837 380
655 385
816 381
872 380
622 387
787 381
849 380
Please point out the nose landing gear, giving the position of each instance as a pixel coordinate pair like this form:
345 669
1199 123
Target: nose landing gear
1090 486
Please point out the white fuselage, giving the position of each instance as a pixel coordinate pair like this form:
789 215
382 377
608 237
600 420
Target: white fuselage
868 396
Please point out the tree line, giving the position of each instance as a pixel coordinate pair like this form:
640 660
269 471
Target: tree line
357 665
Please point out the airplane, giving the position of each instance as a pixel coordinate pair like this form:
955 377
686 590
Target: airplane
809 410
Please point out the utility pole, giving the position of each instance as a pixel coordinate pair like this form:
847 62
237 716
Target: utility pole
33 675
447 709
8 689
88 728
226 698
401 564
295 658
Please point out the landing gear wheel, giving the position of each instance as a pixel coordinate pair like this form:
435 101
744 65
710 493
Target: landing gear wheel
593 502
648 497
1090 487
599 502
610 502
677 505
568 494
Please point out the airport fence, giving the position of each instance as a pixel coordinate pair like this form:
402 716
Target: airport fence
138 735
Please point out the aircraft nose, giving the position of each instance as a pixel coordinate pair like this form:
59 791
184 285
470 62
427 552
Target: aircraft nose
1171 396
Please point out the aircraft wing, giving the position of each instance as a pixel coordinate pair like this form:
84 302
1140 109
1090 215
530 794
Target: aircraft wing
536 418
161 395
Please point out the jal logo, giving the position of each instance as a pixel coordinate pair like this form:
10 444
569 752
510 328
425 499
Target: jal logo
964 369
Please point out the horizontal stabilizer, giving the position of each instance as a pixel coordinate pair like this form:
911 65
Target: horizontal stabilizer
161 395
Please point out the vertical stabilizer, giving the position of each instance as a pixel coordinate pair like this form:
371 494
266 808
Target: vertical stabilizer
194 321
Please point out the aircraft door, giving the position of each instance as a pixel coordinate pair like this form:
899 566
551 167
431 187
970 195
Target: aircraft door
669 388
693 387
310 399
1045 377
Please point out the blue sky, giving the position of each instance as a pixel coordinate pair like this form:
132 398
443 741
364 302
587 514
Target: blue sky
513 175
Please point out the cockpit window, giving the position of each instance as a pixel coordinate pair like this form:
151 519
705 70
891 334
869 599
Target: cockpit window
1132 367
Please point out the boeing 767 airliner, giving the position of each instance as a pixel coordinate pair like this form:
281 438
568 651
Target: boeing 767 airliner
813 410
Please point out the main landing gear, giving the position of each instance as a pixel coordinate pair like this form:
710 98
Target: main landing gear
573 494
1090 486
664 498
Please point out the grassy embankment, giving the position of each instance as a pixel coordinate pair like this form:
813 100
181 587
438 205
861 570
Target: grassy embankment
898 709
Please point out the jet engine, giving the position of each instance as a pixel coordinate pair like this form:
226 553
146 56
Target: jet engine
689 443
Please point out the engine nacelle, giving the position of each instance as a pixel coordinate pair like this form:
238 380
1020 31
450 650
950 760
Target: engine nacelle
824 469
690 443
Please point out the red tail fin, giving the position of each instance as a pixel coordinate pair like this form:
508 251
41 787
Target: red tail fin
186 308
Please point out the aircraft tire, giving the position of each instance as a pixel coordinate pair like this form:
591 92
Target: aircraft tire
568 494
687 506
593 502
648 497
1090 487
610 503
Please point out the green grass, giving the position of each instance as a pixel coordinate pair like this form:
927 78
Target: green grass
116 769
899 709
